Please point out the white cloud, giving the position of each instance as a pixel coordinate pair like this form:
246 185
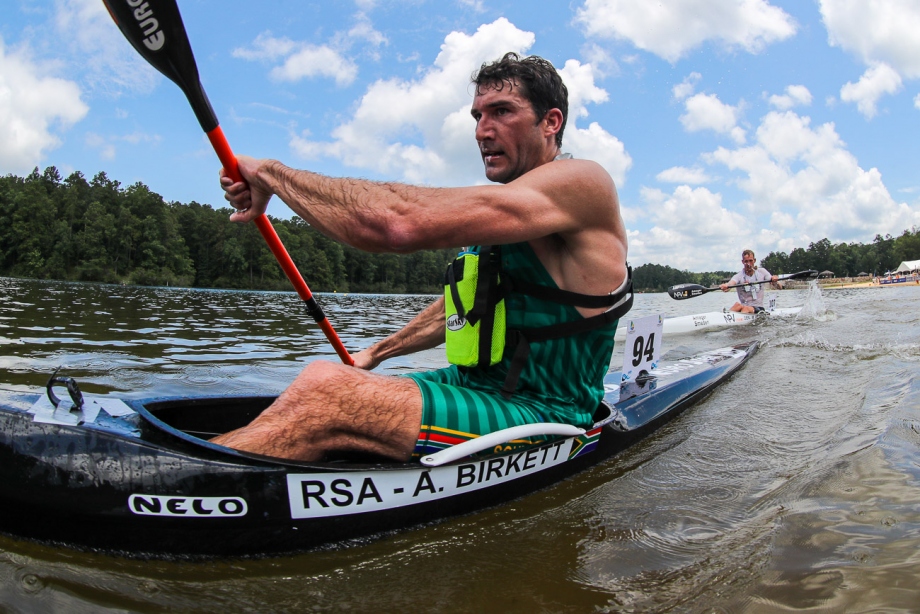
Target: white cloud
34 108
672 28
99 52
595 143
421 130
917 101
592 143
300 60
688 216
798 184
316 61
579 79
684 90
363 30
795 95
877 81
266 47
682 174
707 112
476 5
877 31
809 176
600 59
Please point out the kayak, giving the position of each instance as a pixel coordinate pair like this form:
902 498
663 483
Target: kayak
139 478
714 319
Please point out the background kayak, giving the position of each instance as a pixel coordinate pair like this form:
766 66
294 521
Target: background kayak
681 325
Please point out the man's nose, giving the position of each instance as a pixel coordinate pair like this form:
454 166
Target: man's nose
484 129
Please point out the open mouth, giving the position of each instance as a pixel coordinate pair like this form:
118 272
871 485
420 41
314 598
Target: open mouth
490 156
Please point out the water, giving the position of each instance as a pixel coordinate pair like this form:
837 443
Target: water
796 485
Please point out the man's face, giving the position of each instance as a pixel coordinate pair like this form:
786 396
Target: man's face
511 140
748 262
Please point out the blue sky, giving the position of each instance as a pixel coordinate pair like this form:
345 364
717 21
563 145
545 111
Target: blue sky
726 124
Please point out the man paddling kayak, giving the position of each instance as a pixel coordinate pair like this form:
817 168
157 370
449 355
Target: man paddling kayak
748 284
529 313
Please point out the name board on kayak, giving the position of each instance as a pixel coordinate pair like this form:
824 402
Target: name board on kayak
315 495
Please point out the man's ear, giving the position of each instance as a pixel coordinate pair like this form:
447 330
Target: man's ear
552 122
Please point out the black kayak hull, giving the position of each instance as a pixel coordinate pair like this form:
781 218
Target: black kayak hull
140 484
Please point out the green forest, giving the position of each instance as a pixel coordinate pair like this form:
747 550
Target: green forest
78 230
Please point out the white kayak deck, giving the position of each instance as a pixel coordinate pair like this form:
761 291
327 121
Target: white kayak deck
714 319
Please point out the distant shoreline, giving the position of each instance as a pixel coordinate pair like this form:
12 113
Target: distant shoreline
869 284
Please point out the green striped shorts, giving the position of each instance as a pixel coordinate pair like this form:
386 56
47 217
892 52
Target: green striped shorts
453 413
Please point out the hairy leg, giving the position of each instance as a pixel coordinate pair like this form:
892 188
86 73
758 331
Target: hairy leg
335 407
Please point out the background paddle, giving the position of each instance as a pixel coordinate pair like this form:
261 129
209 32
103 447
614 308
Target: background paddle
685 291
155 29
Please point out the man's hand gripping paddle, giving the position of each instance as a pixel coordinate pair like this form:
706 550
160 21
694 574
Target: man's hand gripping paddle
154 28
685 291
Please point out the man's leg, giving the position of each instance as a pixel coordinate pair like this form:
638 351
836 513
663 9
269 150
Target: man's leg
335 407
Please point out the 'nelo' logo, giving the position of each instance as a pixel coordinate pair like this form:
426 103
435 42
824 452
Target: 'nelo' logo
187 507
455 322
148 23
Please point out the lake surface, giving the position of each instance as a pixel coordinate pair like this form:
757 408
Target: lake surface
795 486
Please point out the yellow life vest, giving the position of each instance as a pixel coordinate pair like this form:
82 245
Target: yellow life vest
474 299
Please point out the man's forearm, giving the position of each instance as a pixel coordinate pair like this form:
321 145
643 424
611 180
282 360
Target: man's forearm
424 331
365 214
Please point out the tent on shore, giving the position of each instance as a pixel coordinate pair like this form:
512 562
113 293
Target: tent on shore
825 274
907 266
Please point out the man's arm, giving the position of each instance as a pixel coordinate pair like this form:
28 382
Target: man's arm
731 282
425 331
559 197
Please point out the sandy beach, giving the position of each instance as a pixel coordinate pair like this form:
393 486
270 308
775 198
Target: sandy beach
866 284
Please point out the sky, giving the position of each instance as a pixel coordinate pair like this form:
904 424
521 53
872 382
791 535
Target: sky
726 124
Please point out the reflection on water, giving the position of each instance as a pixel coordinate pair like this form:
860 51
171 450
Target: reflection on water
168 341
795 485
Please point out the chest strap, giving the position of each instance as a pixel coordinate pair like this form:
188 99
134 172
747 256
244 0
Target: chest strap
619 302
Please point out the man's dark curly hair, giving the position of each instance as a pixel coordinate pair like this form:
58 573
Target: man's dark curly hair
538 79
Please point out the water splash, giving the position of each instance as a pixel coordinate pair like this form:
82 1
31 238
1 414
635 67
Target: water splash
814 307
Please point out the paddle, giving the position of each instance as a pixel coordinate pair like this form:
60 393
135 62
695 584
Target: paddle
154 28
685 291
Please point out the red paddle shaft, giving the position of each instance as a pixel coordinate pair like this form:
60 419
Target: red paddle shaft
222 147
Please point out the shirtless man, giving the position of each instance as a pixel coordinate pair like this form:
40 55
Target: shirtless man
560 217
750 297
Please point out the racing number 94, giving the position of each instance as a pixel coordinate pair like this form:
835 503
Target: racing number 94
641 348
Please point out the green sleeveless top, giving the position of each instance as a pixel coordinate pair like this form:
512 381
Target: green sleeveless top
563 377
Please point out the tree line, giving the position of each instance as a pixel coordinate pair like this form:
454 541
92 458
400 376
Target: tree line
78 230
849 259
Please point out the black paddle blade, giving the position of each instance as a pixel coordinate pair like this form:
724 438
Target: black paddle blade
154 28
685 291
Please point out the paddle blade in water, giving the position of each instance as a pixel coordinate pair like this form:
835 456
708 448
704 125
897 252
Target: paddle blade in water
154 28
